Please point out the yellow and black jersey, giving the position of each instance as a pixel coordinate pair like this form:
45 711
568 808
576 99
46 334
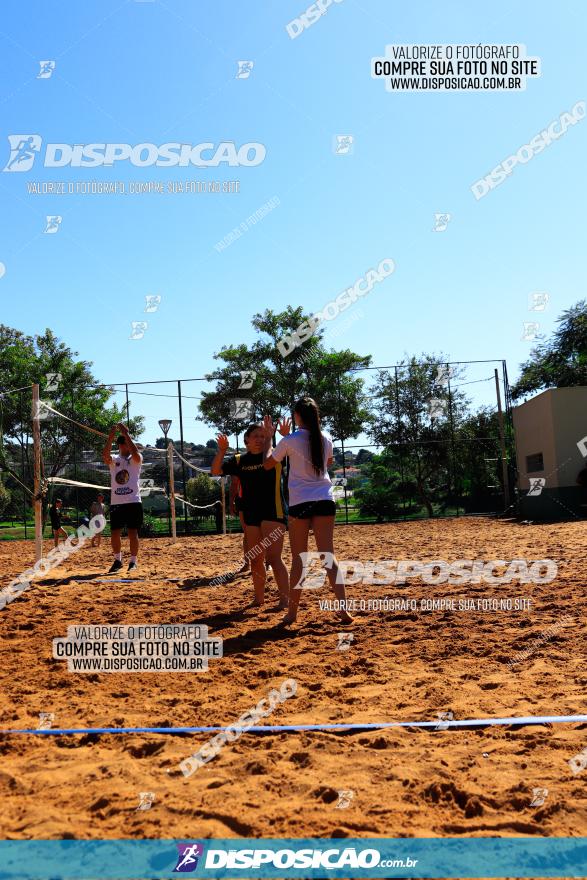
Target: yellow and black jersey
262 491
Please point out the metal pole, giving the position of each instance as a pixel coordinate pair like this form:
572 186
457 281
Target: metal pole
127 405
37 476
73 434
185 509
22 476
223 502
452 439
171 489
346 502
504 461
401 445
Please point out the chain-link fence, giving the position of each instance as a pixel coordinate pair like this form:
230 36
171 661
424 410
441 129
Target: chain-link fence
435 440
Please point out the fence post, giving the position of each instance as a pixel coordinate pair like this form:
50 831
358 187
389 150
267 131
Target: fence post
22 468
346 501
74 436
400 441
171 489
37 475
504 461
452 439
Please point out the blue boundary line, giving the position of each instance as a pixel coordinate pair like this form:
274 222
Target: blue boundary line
281 728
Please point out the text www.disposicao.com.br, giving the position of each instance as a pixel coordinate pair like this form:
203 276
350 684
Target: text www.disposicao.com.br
136 664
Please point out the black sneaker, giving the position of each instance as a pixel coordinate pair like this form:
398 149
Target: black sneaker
116 566
131 566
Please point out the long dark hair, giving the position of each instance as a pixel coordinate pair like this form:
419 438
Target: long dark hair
308 411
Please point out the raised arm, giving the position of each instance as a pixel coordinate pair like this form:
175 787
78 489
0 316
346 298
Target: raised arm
107 451
284 427
134 452
269 428
216 467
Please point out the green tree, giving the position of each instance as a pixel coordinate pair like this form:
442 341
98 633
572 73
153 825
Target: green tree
279 382
202 490
416 410
73 391
559 362
380 495
363 456
5 498
478 460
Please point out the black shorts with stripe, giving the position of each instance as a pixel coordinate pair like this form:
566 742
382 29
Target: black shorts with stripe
262 492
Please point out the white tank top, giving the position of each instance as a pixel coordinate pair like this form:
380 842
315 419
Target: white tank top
124 480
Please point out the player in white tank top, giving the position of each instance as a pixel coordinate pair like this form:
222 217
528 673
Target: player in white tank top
310 452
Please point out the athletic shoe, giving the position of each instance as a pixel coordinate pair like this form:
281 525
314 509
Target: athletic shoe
116 566
131 566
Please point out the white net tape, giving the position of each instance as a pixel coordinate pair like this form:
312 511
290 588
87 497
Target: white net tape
197 506
62 481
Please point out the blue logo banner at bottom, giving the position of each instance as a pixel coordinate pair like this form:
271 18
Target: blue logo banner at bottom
297 858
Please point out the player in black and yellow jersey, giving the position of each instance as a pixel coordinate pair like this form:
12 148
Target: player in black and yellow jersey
263 508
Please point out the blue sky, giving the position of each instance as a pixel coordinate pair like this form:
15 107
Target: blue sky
156 72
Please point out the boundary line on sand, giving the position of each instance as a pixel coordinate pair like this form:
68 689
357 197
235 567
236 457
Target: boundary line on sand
282 728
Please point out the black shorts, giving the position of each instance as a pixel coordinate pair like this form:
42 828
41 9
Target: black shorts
312 508
129 515
256 517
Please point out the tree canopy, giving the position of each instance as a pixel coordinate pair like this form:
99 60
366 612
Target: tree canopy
277 382
417 411
64 380
559 362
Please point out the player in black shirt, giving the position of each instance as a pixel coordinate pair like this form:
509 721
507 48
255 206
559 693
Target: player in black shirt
263 508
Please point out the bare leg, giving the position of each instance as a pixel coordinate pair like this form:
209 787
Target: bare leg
298 541
245 566
133 540
323 528
257 560
115 541
273 556
59 532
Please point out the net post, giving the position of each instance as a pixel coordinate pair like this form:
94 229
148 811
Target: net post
223 495
183 475
37 475
171 489
22 469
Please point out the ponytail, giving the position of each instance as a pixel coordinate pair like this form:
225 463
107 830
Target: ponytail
307 409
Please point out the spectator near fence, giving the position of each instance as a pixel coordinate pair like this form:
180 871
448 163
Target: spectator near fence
97 509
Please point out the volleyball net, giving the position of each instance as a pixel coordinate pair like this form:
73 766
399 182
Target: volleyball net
164 492
68 465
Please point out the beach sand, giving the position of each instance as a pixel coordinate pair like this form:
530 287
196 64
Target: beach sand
399 666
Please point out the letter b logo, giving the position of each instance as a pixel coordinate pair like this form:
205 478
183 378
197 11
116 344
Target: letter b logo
578 762
314 580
